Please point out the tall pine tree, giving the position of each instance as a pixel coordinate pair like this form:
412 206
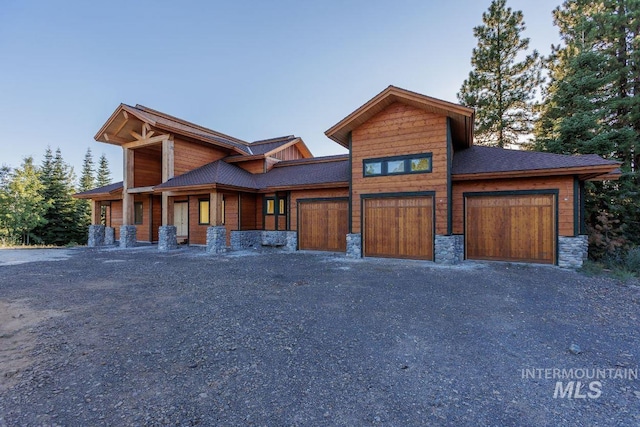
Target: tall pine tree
104 174
83 207
500 87
592 105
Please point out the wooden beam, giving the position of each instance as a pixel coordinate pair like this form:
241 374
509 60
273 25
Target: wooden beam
128 182
113 138
167 159
136 135
215 208
145 129
150 134
165 209
123 124
137 190
125 115
146 141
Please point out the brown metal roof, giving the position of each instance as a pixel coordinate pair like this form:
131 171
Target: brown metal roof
218 172
483 160
100 191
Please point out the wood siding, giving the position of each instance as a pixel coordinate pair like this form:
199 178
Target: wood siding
311 194
230 214
252 166
147 167
397 130
189 156
250 211
289 153
564 185
156 212
143 230
323 225
511 228
398 227
114 217
197 232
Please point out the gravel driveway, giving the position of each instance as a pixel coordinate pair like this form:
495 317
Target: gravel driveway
137 337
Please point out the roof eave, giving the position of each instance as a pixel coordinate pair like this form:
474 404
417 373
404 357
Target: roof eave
584 172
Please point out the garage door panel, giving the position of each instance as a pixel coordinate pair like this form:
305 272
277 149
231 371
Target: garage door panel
398 227
511 228
323 225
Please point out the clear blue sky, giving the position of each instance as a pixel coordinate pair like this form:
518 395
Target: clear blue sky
251 69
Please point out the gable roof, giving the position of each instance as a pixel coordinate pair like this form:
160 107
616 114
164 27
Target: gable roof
486 161
101 191
461 117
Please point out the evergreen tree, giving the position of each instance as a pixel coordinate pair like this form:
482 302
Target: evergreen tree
5 204
499 87
104 174
87 178
26 206
83 207
62 220
592 106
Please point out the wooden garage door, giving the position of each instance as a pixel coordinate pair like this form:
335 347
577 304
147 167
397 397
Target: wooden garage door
323 225
511 228
398 227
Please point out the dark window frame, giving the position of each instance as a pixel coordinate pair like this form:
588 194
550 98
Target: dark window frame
200 211
266 205
138 213
407 158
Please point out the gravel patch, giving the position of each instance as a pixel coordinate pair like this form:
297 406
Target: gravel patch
138 337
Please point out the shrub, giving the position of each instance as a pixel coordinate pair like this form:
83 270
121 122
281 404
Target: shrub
632 260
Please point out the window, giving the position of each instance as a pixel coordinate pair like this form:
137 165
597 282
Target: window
397 165
203 214
137 213
282 209
270 207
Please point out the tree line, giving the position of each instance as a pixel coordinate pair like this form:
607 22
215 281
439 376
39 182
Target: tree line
584 98
36 203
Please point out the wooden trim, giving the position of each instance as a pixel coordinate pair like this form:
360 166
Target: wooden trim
552 191
583 220
305 187
146 141
449 184
405 157
323 199
138 190
127 199
350 143
576 206
110 139
590 170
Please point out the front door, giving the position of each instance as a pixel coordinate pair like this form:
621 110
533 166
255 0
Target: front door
181 218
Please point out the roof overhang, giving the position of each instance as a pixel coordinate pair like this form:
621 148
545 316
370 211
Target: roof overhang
461 117
584 173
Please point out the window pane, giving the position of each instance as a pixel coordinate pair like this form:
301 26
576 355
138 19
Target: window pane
204 212
422 164
395 166
270 206
373 168
281 207
137 212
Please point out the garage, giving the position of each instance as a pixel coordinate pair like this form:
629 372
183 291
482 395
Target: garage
398 227
323 224
511 227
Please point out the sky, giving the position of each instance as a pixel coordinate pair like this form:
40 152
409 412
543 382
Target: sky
249 69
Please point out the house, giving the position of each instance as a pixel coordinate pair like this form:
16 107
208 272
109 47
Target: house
412 185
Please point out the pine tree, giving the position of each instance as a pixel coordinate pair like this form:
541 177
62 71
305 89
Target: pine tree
592 106
83 207
87 178
104 175
499 87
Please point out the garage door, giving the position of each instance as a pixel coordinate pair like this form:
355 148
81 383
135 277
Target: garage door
511 228
398 227
323 225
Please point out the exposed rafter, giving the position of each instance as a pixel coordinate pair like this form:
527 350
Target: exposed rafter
146 141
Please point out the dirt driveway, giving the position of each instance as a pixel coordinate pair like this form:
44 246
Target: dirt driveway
136 337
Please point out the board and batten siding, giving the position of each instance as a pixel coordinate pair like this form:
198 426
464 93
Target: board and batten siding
311 194
564 185
188 156
398 130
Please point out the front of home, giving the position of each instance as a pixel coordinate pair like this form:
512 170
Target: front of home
411 186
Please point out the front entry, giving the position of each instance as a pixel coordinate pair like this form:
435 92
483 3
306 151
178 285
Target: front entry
181 219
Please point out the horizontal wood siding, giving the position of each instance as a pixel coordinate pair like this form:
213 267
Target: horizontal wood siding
399 227
197 232
311 194
511 228
143 230
249 212
323 225
564 185
252 166
230 215
115 217
157 216
147 167
401 129
189 156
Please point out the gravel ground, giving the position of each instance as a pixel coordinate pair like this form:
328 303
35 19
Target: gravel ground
137 337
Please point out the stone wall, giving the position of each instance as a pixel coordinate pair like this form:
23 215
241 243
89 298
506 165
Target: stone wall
572 251
449 249
288 240
128 236
354 245
216 239
109 236
167 240
96 236
241 240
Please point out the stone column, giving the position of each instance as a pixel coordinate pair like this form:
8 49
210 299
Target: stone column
167 238
572 251
216 239
128 236
96 236
109 236
291 241
449 249
354 245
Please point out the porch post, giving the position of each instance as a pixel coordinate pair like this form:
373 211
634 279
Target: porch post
215 209
128 231
167 174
